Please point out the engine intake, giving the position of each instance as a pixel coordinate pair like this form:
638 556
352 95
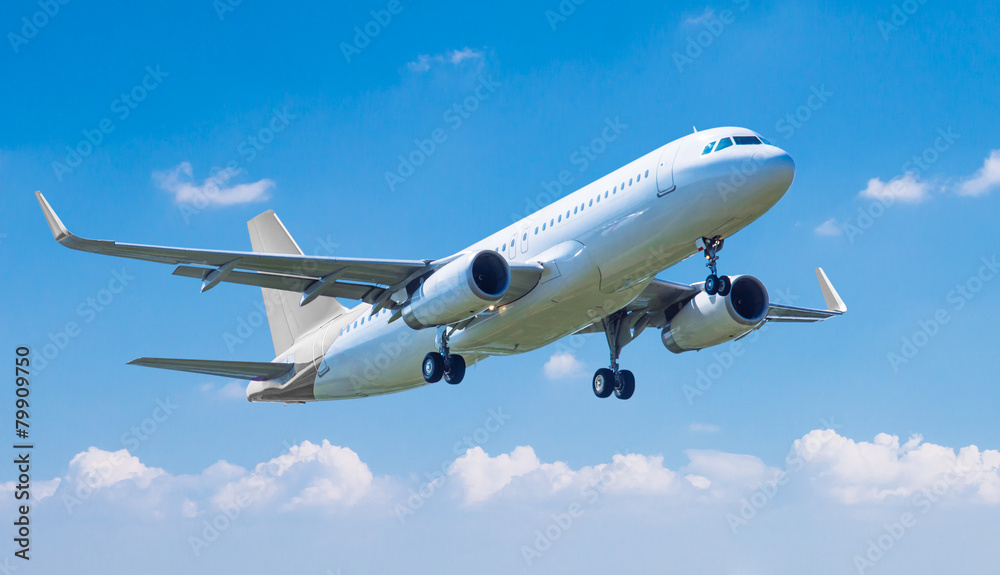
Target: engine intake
459 290
708 320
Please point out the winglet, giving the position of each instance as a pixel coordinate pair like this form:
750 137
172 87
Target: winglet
59 231
833 301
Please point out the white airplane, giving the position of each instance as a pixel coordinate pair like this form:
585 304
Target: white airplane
584 264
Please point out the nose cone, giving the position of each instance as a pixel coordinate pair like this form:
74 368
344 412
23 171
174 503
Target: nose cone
777 170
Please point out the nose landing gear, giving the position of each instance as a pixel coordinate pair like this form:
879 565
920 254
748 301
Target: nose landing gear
713 283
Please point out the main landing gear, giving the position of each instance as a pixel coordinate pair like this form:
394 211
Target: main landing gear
713 283
621 382
443 364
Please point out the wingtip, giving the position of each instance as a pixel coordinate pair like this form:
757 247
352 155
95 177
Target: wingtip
59 231
830 295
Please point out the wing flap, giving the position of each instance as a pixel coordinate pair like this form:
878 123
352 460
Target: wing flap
250 370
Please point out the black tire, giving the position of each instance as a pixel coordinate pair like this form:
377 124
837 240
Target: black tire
432 367
455 372
725 286
712 284
604 382
626 387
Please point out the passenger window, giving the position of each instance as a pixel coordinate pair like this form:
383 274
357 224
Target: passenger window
543 227
647 174
723 144
524 238
567 214
746 140
536 230
560 218
592 202
708 148
575 209
504 248
629 182
605 193
553 222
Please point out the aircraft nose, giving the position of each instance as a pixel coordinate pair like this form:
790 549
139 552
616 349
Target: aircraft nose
777 169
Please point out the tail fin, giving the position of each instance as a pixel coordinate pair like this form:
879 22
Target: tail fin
287 319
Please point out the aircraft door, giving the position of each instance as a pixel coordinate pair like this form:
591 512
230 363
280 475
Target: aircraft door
665 169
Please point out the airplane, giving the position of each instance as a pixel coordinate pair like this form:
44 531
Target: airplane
586 263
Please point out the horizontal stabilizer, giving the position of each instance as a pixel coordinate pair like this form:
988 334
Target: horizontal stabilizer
251 370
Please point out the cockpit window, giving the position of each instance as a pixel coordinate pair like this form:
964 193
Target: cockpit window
723 144
765 141
746 140
708 148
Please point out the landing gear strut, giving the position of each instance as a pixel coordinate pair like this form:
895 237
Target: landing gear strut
606 381
443 363
713 283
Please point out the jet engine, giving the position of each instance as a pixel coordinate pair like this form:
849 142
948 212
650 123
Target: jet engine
458 290
708 320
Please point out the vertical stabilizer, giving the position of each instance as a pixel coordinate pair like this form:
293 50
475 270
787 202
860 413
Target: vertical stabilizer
288 320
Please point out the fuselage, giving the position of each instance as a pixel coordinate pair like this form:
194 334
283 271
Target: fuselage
599 246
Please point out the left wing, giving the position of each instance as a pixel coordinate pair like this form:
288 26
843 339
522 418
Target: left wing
368 280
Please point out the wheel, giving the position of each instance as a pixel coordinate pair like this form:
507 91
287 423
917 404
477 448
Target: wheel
455 371
712 284
725 286
604 382
626 387
433 367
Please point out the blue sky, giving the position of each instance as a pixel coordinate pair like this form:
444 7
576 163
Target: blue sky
179 93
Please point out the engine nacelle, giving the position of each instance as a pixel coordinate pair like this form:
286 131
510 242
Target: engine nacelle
709 320
459 290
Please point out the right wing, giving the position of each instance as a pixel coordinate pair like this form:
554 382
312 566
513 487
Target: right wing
371 281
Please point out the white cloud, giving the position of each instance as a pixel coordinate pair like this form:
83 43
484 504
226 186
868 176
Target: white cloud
865 472
563 365
521 475
228 391
907 188
425 62
829 228
985 180
835 469
705 16
100 469
214 191
704 428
